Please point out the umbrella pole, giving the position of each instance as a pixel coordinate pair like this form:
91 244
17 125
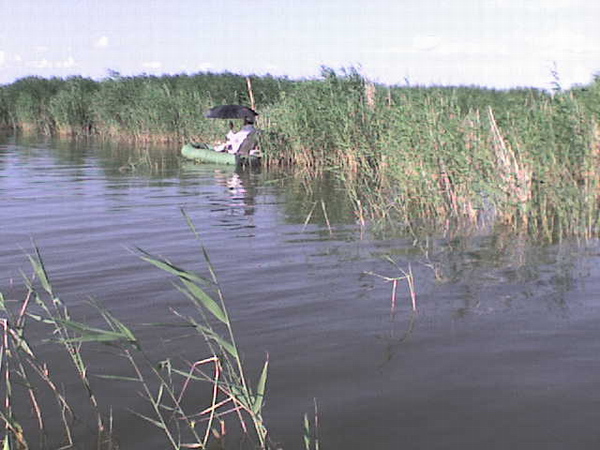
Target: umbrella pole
250 93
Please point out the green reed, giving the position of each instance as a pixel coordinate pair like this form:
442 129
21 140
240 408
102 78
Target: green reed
139 107
429 157
27 379
416 156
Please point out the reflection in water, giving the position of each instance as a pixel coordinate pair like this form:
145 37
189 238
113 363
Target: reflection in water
240 185
474 277
392 340
503 268
322 201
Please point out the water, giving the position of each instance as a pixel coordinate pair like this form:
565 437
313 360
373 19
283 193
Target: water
502 353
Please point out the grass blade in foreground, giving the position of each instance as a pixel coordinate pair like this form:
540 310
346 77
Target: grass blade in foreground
232 397
232 384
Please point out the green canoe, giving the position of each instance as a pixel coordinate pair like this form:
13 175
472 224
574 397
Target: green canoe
205 154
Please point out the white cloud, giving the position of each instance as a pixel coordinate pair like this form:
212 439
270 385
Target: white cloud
273 68
537 5
2 58
205 67
563 41
475 49
46 64
152 65
67 63
39 64
101 42
438 46
425 42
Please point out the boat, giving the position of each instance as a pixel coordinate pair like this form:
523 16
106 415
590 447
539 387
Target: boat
244 142
204 153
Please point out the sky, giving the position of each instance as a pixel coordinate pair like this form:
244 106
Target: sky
491 43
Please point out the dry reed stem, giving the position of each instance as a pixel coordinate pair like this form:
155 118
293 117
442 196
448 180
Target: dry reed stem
359 211
351 163
515 175
316 422
326 218
408 276
250 93
231 398
308 217
5 352
215 381
448 188
370 92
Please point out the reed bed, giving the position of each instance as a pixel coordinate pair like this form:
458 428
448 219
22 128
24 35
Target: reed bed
166 108
448 158
415 157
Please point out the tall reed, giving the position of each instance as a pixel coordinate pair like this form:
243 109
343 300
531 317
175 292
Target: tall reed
415 156
430 157
26 378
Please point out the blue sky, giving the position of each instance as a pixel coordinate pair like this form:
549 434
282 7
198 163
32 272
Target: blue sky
494 43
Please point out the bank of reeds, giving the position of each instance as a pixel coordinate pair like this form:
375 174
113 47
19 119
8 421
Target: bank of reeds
167 108
441 157
436 156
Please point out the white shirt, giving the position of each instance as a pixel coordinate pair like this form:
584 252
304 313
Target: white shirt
236 139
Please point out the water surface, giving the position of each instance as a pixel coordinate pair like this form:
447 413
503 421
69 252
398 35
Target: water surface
502 353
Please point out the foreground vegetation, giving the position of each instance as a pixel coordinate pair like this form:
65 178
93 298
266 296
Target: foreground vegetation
419 157
194 406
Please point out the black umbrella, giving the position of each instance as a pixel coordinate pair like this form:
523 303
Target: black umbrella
231 112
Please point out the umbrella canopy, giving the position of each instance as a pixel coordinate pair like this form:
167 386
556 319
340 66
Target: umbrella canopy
231 112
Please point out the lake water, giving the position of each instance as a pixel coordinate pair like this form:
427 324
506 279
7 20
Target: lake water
503 351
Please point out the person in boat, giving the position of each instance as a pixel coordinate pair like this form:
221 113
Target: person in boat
235 140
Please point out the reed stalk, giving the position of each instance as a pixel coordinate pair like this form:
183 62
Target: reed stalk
406 275
164 386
